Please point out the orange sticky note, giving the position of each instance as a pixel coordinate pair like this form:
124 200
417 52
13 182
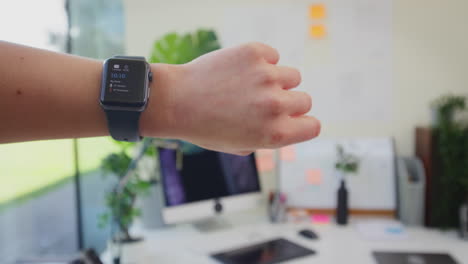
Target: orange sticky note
317 31
265 163
317 11
288 153
314 177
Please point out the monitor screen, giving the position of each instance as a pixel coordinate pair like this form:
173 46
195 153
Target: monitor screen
206 175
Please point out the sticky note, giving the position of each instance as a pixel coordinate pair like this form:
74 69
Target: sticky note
320 218
317 31
314 176
265 163
317 11
288 153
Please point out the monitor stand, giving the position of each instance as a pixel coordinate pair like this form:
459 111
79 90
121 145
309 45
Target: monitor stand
216 223
213 224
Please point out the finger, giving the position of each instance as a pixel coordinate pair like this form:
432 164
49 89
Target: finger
297 103
303 128
294 130
288 77
269 53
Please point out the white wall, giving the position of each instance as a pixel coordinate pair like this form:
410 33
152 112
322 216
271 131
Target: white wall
430 46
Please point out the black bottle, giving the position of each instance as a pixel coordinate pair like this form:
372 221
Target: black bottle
342 207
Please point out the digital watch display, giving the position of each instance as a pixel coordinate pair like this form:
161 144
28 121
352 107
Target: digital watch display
124 95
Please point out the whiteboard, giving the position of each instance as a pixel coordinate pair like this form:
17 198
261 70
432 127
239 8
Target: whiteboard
373 187
348 72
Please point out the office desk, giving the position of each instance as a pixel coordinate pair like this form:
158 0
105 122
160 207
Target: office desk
186 244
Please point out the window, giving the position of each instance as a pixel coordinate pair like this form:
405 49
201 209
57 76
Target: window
38 215
36 196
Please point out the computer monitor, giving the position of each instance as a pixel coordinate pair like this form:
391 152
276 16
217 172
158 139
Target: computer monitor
207 184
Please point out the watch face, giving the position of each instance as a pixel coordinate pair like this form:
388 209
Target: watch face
124 83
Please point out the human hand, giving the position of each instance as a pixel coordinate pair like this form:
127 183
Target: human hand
234 100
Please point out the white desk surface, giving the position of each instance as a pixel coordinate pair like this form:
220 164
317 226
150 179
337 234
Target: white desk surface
336 245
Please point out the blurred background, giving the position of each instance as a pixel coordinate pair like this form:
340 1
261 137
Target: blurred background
388 78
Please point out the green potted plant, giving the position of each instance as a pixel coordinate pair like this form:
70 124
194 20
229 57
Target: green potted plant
452 145
346 163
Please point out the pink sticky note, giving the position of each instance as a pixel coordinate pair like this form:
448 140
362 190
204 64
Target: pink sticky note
288 153
265 163
320 218
314 176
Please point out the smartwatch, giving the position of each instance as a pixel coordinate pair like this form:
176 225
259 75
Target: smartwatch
124 95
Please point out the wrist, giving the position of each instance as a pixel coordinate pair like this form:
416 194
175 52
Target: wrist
158 119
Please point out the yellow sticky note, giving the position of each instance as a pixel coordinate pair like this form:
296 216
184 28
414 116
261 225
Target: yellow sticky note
317 11
314 176
288 153
317 31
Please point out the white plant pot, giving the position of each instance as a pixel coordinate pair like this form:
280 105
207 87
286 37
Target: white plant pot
152 204
151 208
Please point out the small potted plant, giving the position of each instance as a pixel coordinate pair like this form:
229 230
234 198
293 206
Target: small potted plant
346 163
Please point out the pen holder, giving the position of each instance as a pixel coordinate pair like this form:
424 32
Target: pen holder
277 207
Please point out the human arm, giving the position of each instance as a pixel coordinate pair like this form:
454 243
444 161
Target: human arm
233 100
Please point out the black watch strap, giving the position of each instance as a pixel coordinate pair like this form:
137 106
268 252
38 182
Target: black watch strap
124 125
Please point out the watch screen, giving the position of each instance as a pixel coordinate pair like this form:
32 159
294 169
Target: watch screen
125 82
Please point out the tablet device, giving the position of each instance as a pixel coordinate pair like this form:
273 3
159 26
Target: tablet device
268 252
413 258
